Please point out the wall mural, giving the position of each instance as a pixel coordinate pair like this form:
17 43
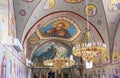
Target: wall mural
48 51
115 56
101 60
10 66
49 4
11 27
109 71
3 66
114 5
59 28
73 1
3 20
90 10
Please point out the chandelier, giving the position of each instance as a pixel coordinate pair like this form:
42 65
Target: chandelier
59 62
88 48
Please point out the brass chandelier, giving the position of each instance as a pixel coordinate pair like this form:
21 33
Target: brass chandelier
58 63
88 48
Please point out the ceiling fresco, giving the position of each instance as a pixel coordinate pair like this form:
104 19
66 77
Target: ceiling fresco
90 10
36 22
32 40
63 28
49 4
23 10
116 46
114 5
79 8
112 15
49 50
59 28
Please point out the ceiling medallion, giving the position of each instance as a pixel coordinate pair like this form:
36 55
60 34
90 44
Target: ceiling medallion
90 10
73 1
99 22
59 28
22 12
32 40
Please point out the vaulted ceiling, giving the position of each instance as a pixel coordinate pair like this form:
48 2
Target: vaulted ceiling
35 17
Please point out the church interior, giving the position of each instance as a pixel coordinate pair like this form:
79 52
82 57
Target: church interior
60 39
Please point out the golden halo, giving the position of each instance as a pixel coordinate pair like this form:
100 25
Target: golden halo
63 22
32 40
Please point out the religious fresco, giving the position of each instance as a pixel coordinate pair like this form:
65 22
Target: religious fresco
73 1
59 28
105 58
101 60
3 66
10 65
115 56
114 5
48 51
3 20
108 71
32 40
49 4
90 10
11 26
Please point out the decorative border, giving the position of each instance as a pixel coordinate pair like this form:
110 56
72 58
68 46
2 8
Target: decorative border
39 35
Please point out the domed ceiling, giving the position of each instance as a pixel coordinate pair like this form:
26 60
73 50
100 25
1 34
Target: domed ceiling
41 21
